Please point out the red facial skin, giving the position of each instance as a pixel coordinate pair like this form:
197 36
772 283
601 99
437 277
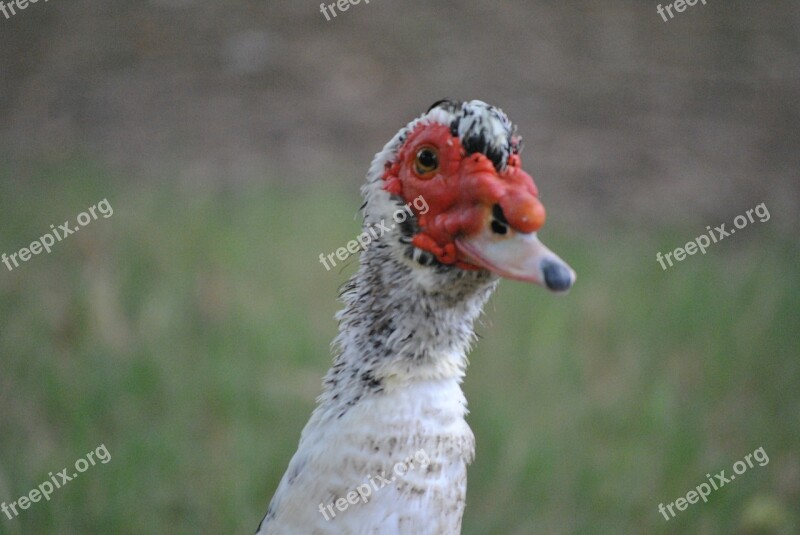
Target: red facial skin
461 193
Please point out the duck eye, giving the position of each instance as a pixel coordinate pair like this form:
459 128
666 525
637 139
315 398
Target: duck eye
427 161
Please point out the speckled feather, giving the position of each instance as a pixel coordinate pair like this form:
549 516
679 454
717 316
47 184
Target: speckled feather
400 356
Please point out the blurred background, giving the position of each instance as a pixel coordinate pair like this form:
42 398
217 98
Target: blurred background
189 332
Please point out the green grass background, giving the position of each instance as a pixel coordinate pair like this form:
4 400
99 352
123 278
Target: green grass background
190 331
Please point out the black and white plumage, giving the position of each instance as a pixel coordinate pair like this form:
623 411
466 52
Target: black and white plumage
406 327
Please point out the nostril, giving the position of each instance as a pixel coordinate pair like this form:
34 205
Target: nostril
499 221
499 228
497 213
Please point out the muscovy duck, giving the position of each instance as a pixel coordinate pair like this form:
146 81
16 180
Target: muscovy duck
386 450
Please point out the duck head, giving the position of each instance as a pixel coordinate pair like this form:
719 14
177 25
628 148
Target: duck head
458 169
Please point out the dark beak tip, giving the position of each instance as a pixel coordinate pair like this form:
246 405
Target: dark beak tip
557 276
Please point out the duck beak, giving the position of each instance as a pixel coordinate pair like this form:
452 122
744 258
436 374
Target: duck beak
516 255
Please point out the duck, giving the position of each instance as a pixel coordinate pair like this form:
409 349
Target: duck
387 447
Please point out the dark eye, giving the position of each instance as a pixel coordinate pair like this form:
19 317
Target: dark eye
427 161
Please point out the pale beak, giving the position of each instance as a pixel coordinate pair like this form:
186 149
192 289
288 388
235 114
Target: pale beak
515 255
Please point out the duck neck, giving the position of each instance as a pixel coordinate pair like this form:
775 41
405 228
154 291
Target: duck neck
402 324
